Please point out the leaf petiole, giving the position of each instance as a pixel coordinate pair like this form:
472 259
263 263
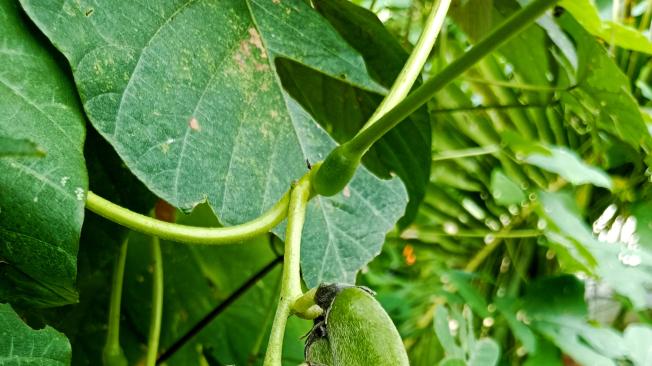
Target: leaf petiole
185 233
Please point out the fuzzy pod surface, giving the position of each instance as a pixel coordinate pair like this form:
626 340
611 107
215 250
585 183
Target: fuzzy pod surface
358 332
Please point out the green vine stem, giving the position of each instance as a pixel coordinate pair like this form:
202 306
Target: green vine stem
413 66
291 280
112 353
157 302
338 167
184 233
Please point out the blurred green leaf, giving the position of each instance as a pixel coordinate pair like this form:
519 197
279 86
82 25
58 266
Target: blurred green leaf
462 283
642 211
555 307
504 190
602 91
485 353
638 338
613 33
508 308
452 362
443 331
546 354
568 165
626 270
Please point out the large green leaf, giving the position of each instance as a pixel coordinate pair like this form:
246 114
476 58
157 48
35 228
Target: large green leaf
41 199
186 93
22 345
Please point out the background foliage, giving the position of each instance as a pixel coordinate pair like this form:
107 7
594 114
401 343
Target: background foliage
513 211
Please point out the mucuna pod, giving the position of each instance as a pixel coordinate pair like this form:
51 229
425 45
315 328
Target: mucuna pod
358 330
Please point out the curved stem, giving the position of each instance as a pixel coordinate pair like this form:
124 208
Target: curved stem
413 66
112 352
157 302
512 26
184 233
291 280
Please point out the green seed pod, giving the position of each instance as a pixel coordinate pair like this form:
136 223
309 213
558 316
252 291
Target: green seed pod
358 330
335 172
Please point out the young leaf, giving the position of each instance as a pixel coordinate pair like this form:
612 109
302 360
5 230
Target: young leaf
22 345
41 200
189 99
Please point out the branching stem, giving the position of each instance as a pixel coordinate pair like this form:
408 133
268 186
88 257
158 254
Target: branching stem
291 280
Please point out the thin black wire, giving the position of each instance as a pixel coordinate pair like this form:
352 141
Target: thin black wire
201 324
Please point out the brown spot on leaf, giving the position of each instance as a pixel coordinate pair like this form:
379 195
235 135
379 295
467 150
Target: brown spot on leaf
346 192
254 39
194 124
